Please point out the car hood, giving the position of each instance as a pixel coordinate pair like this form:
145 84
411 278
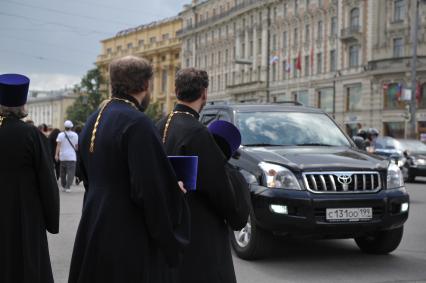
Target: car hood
318 158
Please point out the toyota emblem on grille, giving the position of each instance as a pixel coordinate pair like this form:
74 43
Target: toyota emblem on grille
345 180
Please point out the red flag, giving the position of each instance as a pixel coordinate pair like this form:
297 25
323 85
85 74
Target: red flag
418 92
299 62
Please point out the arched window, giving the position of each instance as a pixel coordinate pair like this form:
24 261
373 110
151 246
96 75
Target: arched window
392 96
354 18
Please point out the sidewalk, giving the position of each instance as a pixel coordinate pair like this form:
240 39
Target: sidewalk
61 245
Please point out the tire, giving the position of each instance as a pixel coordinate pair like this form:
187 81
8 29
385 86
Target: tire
251 242
382 242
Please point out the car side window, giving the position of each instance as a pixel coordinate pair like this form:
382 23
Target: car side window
208 117
224 116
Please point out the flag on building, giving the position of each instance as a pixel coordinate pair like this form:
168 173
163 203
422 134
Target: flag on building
287 66
274 59
299 62
399 91
418 92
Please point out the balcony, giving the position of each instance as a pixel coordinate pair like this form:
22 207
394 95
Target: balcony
392 65
352 33
220 16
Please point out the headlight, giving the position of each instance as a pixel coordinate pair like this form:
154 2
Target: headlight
276 176
394 177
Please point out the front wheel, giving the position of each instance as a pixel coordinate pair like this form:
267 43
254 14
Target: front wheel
382 242
250 242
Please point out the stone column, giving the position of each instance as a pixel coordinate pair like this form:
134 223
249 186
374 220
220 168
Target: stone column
170 84
255 49
157 78
264 51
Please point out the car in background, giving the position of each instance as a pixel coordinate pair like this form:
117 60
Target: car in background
410 155
308 179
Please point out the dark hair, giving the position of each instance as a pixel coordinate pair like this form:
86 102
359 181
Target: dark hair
43 127
54 134
129 75
190 83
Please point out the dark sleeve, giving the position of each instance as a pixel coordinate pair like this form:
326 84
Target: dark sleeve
242 198
82 172
154 189
215 181
47 185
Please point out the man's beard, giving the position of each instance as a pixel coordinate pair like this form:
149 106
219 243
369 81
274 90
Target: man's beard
202 106
145 102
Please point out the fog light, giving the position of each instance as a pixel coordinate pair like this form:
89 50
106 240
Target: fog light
404 207
280 209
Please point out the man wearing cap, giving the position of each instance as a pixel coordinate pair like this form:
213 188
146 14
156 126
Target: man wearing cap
66 154
135 221
214 203
29 202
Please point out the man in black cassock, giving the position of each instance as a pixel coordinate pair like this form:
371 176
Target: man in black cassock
135 221
215 203
29 202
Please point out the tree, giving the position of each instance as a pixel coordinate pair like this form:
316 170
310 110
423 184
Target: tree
89 97
154 111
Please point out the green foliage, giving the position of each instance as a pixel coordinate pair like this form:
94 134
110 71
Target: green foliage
154 111
89 97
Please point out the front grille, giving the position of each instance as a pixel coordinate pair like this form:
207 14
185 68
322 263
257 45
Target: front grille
342 182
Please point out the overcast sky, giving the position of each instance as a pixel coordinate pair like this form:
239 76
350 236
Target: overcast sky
55 42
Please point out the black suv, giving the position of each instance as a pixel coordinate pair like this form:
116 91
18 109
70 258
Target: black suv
307 178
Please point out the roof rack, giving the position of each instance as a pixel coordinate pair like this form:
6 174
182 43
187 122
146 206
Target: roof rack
218 102
297 103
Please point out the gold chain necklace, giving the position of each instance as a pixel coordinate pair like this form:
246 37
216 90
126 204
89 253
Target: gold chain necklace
98 118
166 128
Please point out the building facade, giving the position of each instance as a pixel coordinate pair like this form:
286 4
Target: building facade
349 57
49 108
155 42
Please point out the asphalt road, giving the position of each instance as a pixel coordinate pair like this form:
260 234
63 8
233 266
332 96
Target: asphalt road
294 260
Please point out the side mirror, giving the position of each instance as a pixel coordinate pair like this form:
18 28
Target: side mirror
359 142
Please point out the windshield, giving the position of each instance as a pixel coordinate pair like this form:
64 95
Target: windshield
289 128
413 146
387 143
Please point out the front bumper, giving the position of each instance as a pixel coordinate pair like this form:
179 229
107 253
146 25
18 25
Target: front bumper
306 212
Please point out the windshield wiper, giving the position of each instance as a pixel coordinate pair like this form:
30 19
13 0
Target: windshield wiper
313 144
262 144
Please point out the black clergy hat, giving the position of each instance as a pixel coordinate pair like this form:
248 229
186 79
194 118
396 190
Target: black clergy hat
13 90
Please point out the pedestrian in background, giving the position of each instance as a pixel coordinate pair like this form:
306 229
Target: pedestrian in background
135 221
66 154
53 136
44 129
29 202
214 204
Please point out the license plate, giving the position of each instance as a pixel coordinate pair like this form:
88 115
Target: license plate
349 214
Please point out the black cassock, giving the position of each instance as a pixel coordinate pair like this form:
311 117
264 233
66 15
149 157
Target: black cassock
135 221
214 205
29 203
